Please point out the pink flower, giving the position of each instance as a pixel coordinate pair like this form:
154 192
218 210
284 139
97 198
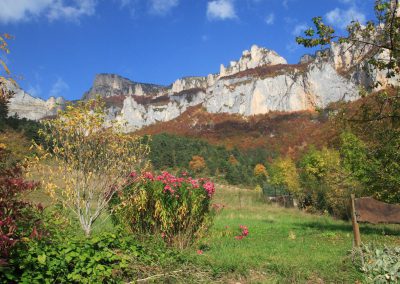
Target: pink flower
149 175
209 187
199 251
194 183
168 188
244 232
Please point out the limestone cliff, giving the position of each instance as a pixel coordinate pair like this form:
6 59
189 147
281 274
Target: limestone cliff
259 82
108 85
25 106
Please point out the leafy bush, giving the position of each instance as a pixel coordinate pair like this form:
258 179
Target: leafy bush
98 259
17 218
177 208
381 265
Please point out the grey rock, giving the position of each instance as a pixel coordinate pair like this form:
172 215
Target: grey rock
259 82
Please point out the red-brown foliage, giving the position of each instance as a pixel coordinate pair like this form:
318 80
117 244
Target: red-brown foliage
285 133
15 218
269 70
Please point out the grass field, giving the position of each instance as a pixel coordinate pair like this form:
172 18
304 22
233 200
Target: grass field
283 245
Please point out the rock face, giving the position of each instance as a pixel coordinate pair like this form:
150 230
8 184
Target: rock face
26 106
109 85
257 56
259 82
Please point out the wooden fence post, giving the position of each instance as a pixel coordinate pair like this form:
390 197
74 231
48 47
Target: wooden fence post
356 228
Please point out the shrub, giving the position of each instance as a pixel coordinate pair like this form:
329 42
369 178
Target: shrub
381 265
17 218
175 208
99 259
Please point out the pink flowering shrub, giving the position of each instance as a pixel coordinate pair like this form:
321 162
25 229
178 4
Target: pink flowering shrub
176 208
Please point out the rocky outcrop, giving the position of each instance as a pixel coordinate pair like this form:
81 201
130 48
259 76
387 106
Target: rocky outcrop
256 57
109 85
25 106
189 83
259 82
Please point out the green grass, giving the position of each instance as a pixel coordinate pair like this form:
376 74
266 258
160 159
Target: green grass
284 245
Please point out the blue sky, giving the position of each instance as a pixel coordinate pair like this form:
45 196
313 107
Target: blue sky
60 45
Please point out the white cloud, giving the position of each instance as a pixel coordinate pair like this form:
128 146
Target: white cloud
221 10
285 4
81 8
270 19
341 18
124 3
34 91
58 88
292 47
162 7
298 29
12 11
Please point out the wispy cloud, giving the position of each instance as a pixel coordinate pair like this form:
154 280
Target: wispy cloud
162 7
298 29
341 18
221 10
285 4
291 47
270 19
35 91
12 11
58 88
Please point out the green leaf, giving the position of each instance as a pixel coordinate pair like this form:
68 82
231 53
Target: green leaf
42 259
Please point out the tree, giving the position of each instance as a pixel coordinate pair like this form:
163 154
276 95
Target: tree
233 161
284 175
94 159
371 153
327 180
197 164
5 80
379 39
260 171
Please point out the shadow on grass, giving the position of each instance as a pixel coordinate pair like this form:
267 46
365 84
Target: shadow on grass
368 229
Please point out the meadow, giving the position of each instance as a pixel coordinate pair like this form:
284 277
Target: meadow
284 245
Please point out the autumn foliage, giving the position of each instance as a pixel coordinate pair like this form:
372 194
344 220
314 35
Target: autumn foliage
197 164
260 171
16 216
93 159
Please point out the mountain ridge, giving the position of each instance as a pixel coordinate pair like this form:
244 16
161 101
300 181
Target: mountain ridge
261 81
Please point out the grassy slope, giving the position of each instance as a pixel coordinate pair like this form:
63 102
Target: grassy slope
284 245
